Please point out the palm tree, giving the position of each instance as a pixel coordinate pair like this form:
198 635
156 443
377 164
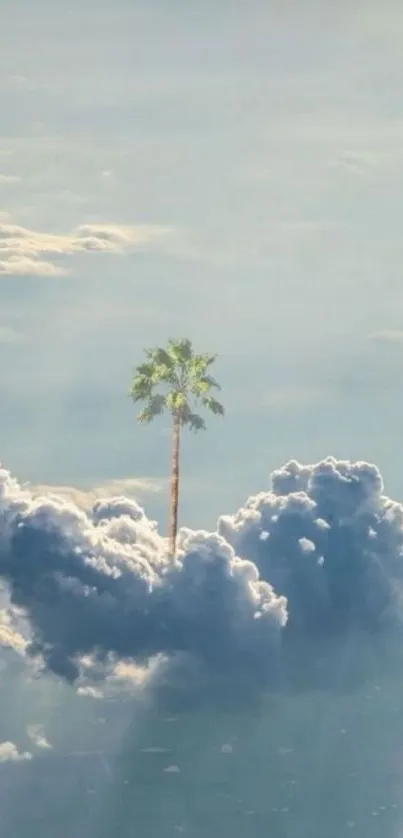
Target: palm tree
186 384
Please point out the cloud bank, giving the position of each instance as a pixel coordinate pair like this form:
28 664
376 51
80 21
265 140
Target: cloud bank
93 595
100 585
22 250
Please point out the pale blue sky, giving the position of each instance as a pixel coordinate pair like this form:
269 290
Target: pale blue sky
255 153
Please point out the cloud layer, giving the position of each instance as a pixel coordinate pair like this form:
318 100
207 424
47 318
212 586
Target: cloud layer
22 250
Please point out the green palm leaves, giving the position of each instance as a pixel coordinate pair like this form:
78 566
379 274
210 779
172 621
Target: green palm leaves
177 380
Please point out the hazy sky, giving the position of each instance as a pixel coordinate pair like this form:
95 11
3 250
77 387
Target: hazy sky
227 171
231 172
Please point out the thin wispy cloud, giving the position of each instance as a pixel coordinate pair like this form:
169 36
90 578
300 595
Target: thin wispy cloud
22 249
36 734
388 337
86 495
9 335
15 265
9 179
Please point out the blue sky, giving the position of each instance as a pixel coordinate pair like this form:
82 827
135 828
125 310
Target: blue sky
233 174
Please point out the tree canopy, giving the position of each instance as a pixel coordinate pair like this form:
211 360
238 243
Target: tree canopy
176 379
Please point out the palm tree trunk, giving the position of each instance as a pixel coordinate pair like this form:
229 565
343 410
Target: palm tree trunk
174 503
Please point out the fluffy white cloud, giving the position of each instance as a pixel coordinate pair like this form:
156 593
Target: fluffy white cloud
101 589
10 753
103 605
21 249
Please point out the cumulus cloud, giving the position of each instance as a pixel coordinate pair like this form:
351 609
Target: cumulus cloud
99 584
10 753
320 553
328 540
22 250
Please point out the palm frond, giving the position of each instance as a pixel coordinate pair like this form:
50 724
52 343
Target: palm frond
146 369
201 363
149 375
154 407
181 351
192 420
200 386
141 388
212 404
158 356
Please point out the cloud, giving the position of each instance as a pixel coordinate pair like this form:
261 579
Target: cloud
10 753
87 495
14 265
318 554
388 336
10 638
37 736
131 485
21 249
90 692
129 673
15 79
99 584
327 539
9 179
